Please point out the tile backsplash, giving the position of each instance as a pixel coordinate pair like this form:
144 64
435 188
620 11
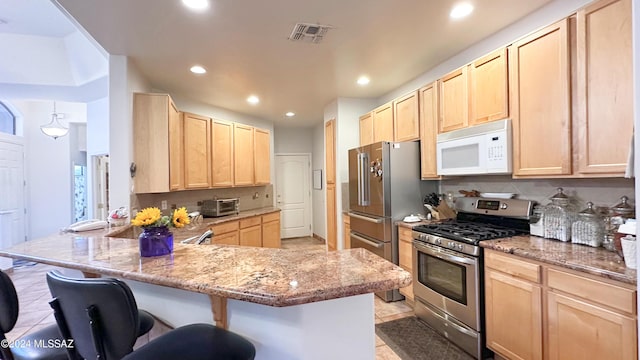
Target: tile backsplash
602 192
250 198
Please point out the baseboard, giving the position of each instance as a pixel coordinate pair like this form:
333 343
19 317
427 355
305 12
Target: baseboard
316 236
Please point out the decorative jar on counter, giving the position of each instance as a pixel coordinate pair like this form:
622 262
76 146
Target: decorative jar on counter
558 217
588 229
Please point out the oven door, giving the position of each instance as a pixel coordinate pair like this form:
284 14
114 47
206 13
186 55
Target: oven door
448 281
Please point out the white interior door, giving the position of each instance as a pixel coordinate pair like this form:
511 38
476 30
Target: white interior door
12 219
293 194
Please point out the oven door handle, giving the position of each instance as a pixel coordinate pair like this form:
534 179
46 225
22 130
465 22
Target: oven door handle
445 256
456 326
368 242
366 218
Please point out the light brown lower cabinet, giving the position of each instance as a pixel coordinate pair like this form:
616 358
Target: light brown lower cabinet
405 252
271 230
585 316
258 231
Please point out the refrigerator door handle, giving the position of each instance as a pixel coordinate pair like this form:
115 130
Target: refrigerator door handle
366 241
363 179
366 218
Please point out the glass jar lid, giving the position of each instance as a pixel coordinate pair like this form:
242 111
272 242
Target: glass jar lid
560 198
623 208
589 212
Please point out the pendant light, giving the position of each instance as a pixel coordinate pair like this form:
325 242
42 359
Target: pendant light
54 128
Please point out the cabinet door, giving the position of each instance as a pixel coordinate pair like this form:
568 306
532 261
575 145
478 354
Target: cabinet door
579 330
197 149
605 87
383 123
251 236
488 99
366 129
242 155
539 98
231 238
332 234
176 149
262 151
454 106
405 253
221 153
346 221
513 310
330 151
428 131
271 233
151 142
406 119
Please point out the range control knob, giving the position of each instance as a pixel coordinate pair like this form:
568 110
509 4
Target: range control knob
460 246
504 206
451 244
438 241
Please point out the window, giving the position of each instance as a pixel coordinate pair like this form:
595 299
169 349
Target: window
7 120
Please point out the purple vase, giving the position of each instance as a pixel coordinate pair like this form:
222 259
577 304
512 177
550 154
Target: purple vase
155 241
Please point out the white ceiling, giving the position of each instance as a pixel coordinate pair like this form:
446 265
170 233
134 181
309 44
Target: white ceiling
33 17
244 46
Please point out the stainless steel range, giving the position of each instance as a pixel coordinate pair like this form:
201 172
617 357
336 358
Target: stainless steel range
448 267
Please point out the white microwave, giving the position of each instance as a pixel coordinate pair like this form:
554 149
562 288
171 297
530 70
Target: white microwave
481 149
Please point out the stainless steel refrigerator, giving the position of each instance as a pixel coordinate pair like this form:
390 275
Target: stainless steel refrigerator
384 186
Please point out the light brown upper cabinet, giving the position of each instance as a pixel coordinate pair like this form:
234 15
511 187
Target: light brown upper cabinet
243 155
157 145
453 96
383 123
540 102
604 87
330 151
221 153
197 149
488 88
176 149
262 151
366 129
428 130
406 118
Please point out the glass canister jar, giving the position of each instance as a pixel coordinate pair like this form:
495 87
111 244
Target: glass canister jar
558 217
618 214
588 229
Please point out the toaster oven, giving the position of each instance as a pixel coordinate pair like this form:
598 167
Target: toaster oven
220 207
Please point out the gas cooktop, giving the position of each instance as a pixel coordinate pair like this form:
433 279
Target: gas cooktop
466 231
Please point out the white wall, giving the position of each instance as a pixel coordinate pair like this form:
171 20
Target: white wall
97 142
544 16
318 196
124 80
636 114
48 169
293 140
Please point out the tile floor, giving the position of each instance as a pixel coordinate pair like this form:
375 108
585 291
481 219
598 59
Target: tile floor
35 313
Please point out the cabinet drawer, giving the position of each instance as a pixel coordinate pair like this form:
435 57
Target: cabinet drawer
406 254
593 290
404 234
512 266
252 221
271 217
224 227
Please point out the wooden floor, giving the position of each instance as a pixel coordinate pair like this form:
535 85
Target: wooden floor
35 313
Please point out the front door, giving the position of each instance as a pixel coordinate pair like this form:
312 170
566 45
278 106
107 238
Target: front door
293 195
12 219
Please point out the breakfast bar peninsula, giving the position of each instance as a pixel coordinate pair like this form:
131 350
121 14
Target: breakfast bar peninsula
291 304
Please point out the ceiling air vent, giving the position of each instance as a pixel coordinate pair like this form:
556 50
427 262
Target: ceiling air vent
312 33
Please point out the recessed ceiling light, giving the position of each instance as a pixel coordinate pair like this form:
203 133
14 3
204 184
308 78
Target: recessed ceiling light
290 114
253 100
196 4
197 69
363 80
461 10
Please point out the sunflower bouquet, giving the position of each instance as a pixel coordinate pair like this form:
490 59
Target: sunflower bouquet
152 217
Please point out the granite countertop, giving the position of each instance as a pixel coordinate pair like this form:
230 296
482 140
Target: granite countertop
191 230
595 261
274 277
